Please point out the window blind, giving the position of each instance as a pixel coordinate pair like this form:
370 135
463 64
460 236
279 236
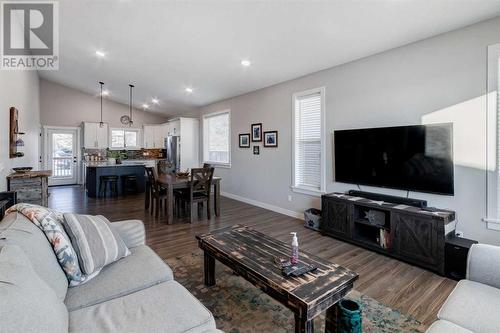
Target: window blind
308 141
216 143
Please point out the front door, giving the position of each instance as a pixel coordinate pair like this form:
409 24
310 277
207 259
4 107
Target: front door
62 156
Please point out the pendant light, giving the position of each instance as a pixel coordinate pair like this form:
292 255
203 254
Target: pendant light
101 124
131 122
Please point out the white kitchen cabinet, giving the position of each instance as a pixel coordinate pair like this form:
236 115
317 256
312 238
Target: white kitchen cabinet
174 127
154 136
167 128
149 136
160 133
95 136
187 131
102 136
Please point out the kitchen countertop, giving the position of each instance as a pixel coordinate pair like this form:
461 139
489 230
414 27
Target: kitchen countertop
125 163
106 164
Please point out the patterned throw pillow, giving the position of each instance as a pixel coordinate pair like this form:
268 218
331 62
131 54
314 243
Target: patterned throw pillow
96 243
50 222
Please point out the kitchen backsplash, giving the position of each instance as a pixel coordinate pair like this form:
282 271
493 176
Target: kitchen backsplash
143 154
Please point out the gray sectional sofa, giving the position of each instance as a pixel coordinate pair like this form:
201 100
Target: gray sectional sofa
135 294
473 305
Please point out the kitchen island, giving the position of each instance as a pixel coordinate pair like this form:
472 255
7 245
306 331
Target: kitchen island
97 169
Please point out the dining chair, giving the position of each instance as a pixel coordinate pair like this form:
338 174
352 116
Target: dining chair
147 196
157 194
199 191
207 165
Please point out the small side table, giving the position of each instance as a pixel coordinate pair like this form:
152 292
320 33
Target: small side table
456 250
7 199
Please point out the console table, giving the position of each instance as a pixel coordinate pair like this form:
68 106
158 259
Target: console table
31 187
408 233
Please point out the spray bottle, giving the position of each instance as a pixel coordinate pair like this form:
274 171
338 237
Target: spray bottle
295 249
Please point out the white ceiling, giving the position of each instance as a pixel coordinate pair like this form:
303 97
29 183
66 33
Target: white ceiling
165 46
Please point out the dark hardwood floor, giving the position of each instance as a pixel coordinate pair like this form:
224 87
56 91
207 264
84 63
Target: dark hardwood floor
401 286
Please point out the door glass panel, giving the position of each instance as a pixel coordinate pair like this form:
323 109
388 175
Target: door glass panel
62 154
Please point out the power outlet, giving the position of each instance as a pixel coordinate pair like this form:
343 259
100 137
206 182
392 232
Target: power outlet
459 234
289 198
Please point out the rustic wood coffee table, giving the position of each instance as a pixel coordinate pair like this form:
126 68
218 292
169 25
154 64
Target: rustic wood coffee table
251 254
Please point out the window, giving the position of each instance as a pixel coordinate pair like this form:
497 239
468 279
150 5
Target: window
125 138
216 138
492 217
308 149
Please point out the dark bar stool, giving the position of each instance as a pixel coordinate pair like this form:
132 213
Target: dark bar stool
129 184
113 185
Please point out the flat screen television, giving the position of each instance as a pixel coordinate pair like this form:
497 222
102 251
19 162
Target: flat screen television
414 158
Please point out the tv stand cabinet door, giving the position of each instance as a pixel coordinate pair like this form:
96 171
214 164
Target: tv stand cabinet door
417 239
336 217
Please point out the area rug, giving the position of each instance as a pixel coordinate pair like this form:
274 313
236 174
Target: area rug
239 307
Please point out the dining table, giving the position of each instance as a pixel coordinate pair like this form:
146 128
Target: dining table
171 182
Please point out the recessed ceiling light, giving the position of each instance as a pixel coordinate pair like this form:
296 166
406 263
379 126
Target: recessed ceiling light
189 90
105 92
99 53
145 105
245 63
155 101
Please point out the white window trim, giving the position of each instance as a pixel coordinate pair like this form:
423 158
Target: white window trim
492 218
205 138
130 129
304 189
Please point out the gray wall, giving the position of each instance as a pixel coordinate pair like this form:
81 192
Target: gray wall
21 90
441 79
64 106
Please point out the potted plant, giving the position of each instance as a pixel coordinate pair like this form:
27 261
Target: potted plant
115 156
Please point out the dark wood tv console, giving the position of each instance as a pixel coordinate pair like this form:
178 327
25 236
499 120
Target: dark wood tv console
404 232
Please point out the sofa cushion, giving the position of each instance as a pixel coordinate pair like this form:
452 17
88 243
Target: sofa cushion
27 303
473 306
479 264
16 229
131 231
96 243
443 326
166 307
141 269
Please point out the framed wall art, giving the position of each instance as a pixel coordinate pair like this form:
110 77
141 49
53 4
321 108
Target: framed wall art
244 140
271 139
256 132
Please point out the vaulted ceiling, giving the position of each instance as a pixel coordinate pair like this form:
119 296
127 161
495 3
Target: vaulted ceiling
164 47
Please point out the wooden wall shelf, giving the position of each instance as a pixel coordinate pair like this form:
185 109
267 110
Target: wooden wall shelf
14 134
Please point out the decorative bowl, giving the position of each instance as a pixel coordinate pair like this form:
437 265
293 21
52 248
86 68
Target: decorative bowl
22 169
182 174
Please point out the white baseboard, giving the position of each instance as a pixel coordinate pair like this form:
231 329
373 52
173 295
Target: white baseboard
273 208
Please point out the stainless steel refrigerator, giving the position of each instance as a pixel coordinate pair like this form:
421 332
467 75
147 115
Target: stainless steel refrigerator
172 146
